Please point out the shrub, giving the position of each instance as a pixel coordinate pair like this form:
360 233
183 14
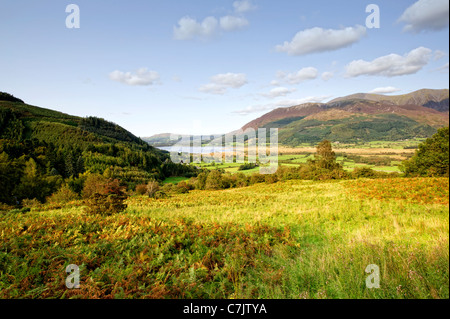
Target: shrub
246 166
364 172
62 196
31 203
214 180
182 188
109 200
167 188
141 189
94 183
271 178
257 178
241 180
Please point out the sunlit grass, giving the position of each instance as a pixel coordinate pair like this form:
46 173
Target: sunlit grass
293 239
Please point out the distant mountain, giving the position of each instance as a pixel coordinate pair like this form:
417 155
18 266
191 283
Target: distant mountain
163 139
360 116
434 99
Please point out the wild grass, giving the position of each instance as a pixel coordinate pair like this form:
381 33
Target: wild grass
293 239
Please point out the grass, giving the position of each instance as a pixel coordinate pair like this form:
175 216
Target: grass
293 239
296 156
175 180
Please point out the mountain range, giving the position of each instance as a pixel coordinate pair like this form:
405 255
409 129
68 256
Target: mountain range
358 117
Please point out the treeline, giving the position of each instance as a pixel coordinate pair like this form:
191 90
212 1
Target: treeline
108 129
9 97
33 169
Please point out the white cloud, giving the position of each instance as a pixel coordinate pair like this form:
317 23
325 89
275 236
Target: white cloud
281 103
141 77
277 92
384 90
275 83
243 6
327 75
304 74
391 65
426 15
444 68
220 83
438 54
320 40
189 28
231 23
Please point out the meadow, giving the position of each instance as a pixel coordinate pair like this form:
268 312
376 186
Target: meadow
292 239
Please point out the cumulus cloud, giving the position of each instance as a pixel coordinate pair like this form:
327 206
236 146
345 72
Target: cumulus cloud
327 75
277 92
142 76
243 6
220 83
391 65
231 23
304 74
281 103
385 90
320 40
189 28
426 15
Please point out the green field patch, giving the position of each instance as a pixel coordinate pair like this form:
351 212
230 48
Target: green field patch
175 180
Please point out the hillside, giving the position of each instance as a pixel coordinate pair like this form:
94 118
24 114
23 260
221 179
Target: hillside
360 117
45 148
434 99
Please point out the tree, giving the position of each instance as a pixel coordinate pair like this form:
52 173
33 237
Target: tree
152 188
109 200
325 157
431 157
214 180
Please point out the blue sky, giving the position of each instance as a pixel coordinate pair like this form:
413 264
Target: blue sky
204 66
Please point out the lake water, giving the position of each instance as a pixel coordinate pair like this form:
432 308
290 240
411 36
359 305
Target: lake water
196 149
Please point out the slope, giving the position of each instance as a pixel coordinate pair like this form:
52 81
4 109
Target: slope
360 117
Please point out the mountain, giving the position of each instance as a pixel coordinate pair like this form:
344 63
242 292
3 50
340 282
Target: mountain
163 139
434 99
364 117
54 146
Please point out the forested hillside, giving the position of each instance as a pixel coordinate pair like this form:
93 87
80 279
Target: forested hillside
42 150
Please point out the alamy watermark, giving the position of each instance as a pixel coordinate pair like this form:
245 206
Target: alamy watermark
373 19
73 19
373 280
73 279
250 146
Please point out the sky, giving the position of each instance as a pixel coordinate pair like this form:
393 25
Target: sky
211 66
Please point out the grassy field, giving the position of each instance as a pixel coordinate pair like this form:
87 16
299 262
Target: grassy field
288 156
293 239
175 180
